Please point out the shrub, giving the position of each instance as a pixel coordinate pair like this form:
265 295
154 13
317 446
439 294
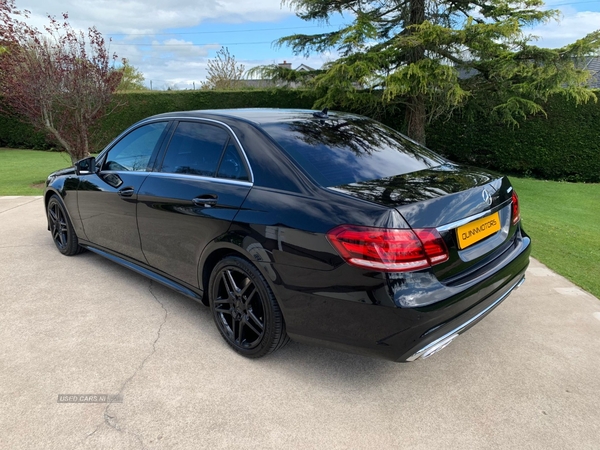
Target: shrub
563 146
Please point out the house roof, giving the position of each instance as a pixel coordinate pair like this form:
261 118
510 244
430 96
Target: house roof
593 65
304 68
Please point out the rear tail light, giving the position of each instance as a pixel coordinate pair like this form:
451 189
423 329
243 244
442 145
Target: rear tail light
516 213
388 250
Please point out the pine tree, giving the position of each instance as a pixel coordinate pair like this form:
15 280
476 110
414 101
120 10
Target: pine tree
433 56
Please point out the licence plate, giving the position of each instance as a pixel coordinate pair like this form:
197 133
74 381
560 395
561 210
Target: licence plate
477 230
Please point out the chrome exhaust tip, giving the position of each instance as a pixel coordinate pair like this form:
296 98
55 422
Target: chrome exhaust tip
433 348
438 346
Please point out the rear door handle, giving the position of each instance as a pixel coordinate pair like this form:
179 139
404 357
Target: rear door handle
126 192
207 200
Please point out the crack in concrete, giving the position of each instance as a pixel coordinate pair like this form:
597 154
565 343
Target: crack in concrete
18 206
27 245
111 420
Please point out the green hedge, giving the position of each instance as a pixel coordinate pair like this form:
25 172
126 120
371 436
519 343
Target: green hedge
563 146
139 105
130 107
16 134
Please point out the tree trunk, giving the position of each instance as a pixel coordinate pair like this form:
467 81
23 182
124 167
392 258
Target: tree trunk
47 120
416 111
416 117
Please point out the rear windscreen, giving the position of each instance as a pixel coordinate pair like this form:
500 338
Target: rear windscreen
350 150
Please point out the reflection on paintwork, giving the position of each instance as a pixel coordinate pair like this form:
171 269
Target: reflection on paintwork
112 179
415 187
261 256
432 197
410 288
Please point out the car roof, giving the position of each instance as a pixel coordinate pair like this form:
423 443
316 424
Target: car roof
254 115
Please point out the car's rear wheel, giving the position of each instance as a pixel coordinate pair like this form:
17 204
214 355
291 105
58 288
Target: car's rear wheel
63 235
245 309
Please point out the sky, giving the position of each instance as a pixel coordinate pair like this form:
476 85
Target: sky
171 41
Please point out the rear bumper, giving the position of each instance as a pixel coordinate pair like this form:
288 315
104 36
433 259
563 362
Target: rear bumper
452 330
360 322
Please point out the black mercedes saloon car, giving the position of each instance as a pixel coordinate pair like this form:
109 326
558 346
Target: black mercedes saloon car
323 227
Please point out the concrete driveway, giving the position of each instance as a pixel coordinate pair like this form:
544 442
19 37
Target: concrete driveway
528 376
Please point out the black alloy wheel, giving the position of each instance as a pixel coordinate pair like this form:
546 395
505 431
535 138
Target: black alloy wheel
245 309
63 235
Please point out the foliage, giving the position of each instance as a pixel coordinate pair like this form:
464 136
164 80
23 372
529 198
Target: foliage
565 145
59 80
562 220
131 78
414 51
15 133
142 104
223 72
289 77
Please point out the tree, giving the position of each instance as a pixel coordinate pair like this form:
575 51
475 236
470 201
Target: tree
57 80
223 72
132 79
433 56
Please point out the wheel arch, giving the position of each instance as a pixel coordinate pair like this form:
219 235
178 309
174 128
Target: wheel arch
50 191
229 245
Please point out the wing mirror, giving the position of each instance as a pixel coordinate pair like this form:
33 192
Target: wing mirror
86 166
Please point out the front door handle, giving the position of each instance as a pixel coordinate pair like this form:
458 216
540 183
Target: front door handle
207 200
126 192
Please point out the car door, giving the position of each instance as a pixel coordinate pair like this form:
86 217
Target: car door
107 199
192 198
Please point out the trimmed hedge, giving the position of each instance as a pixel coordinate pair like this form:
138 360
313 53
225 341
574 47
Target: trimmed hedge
16 134
563 146
140 105
133 106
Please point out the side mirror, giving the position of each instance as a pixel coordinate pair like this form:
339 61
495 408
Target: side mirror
86 166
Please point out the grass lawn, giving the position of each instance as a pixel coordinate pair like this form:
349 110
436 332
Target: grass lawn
563 220
20 170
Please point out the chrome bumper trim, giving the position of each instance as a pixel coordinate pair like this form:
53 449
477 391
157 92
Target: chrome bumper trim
440 343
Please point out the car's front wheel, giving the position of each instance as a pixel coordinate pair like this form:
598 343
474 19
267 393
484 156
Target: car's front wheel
245 309
63 235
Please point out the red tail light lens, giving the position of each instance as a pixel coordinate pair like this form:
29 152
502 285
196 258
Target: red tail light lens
434 245
516 213
388 250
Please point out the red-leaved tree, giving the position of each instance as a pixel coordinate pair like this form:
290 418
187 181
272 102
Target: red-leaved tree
56 79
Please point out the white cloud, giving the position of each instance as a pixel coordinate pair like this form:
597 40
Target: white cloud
572 26
170 63
182 71
151 16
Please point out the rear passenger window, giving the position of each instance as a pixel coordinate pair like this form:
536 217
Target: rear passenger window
232 166
195 148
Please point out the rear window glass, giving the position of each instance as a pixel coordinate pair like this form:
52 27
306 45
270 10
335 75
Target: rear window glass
350 150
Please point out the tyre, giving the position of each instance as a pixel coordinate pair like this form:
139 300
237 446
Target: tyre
63 235
245 309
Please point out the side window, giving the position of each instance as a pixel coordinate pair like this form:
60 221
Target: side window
133 152
195 148
231 165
